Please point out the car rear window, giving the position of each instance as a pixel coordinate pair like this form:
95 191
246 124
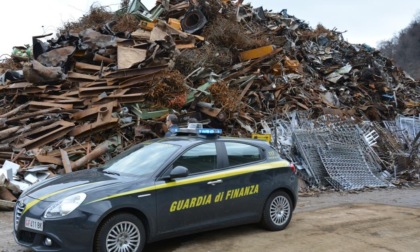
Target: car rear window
201 158
240 153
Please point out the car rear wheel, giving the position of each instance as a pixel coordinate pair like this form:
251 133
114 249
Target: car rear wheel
121 232
277 211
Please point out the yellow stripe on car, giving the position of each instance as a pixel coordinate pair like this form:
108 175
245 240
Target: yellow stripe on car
217 175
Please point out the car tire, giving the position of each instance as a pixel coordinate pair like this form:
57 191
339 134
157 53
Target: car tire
277 211
121 232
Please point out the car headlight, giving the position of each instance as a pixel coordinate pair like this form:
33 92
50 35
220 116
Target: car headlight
65 206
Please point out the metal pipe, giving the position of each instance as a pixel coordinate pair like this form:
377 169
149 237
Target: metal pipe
98 151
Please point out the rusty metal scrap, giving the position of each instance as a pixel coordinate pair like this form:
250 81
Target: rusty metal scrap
104 120
269 73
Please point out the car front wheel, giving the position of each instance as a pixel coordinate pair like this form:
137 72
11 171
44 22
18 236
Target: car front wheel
121 232
277 211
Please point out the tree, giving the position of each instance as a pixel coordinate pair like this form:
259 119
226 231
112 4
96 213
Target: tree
404 48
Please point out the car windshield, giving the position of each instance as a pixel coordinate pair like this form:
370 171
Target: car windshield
141 160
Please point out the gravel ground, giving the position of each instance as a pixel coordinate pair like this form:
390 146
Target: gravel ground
348 207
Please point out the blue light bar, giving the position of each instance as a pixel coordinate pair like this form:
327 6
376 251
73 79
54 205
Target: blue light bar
209 131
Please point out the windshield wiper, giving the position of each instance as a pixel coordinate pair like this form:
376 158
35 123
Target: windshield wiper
112 173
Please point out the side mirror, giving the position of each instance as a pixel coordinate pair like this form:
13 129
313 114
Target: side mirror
179 172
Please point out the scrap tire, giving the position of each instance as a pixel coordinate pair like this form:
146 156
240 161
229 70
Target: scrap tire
121 232
277 212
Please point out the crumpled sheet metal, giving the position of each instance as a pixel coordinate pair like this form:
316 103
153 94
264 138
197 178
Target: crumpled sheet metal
312 72
37 73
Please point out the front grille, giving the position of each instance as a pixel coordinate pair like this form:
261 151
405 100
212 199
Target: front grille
18 212
27 237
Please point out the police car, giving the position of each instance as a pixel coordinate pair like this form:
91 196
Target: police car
159 189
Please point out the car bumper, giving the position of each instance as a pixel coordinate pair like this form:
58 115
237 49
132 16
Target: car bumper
75 233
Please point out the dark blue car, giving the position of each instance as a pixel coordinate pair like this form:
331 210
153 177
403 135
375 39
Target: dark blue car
156 190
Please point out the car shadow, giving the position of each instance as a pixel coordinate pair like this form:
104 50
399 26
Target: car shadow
170 245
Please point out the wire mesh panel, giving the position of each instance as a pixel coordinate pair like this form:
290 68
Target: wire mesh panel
346 165
306 144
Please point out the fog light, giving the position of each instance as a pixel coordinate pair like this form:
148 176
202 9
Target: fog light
48 242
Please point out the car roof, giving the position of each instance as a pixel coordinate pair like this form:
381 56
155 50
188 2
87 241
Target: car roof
192 140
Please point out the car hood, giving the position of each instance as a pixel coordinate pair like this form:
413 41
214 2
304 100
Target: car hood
81 181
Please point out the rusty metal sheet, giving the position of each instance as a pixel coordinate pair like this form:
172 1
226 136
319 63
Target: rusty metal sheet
37 73
93 111
56 57
128 57
141 34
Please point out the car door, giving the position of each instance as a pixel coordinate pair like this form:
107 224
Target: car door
191 203
244 188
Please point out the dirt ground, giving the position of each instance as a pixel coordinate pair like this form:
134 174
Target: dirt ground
379 220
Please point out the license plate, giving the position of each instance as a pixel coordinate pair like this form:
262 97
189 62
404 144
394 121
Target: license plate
34 224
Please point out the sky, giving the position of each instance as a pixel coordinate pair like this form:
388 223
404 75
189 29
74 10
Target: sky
364 21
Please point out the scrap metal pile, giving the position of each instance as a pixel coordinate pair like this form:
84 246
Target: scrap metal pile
107 82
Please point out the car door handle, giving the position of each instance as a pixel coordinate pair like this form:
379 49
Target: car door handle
213 183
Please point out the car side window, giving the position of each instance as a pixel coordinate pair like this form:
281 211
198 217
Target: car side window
201 158
240 153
